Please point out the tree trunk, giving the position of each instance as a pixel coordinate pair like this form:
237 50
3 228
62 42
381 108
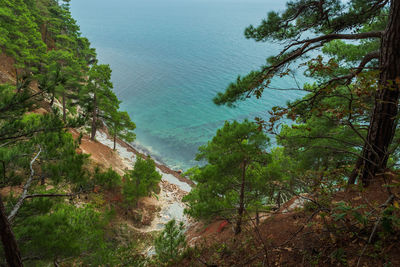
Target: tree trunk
17 84
257 217
52 100
238 227
354 174
278 200
11 250
45 33
115 140
383 121
137 192
64 108
94 120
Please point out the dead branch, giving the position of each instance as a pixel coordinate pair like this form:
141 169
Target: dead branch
26 187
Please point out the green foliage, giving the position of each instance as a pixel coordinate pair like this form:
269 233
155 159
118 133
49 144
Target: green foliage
97 97
109 179
45 43
62 77
329 130
66 231
171 242
391 221
141 181
20 37
332 115
218 182
128 255
121 126
343 211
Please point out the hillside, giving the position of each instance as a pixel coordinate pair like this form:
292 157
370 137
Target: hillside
69 182
302 233
312 183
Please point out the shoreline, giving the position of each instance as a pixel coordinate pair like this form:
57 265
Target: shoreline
163 167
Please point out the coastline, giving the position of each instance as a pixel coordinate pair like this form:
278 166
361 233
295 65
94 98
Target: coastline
163 167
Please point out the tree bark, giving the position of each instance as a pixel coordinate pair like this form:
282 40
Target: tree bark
137 191
94 120
52 100
64 108
257 217
10 246
238 227
383 122
115 140
354 174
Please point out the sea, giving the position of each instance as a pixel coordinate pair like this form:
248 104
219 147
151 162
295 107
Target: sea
171 57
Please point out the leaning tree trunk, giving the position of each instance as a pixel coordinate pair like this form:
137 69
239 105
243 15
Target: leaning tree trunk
384 117
11 250
64 109
238 227
94 119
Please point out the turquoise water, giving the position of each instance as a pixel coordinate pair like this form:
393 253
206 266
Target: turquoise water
170 58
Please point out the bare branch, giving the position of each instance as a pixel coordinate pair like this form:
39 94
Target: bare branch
32 132
26 187
384 205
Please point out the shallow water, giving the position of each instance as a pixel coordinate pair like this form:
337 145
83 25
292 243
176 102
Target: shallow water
171 57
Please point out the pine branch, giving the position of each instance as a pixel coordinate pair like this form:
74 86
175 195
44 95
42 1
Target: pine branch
51 195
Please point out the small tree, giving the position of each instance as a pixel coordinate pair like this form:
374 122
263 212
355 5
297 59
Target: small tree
171 242
140 181
108 179
98 95
121 126
225 184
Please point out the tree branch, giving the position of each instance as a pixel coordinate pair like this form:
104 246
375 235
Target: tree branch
32 132
384 205
51 195
26 187
340 36
358 70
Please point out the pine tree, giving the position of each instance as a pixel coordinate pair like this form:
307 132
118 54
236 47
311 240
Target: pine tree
140 181
329 21
62 78
224 184
170 243
20 39
121 126
98 96
36 150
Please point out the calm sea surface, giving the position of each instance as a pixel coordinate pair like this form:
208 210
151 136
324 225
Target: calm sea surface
170 58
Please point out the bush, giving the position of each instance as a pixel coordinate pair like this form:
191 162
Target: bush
109 179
